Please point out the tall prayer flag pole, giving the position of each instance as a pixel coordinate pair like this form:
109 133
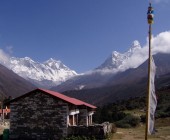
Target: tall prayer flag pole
151 68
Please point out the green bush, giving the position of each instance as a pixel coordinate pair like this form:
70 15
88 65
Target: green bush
128 121
143 118
168 109
162 114
118 116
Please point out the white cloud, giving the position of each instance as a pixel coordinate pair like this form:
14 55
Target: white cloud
136 59
4 58
159 44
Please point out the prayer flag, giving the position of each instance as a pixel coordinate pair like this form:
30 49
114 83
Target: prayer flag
152 98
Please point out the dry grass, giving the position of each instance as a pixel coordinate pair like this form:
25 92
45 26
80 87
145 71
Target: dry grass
138 133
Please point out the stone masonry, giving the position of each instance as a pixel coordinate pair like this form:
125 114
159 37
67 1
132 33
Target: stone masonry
38 116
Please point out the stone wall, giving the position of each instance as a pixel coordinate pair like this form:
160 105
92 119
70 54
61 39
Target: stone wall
38 116
99 131
83 117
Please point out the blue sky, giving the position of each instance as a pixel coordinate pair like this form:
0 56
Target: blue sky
80 33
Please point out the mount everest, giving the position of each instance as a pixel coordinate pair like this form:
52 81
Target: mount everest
47 74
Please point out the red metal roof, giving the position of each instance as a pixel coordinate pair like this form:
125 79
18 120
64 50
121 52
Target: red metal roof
58 95
68 99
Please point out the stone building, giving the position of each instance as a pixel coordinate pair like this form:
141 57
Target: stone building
45 114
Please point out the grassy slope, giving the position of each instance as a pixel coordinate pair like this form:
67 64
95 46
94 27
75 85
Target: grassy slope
138 133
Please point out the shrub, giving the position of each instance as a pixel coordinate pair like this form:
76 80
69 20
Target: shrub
143 118
128 121
118 116
161 114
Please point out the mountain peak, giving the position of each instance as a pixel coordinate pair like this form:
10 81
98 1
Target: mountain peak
135 46
53 60
116 60
49 73
115 54
135 43
27 58
55 64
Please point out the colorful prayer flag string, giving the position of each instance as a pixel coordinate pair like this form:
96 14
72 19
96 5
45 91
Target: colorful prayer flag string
150 14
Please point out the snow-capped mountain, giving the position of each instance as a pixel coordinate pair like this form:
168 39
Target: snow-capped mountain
115 63
52 72
131 83
116 60
47 74
121 76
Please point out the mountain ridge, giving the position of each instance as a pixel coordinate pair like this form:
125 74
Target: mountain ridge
128 84
11 84
53 72
46 74
114 64
127 70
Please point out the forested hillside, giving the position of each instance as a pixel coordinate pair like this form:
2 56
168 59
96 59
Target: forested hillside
118 111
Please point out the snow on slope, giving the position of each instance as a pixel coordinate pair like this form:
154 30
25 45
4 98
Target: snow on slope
51 70
116 61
